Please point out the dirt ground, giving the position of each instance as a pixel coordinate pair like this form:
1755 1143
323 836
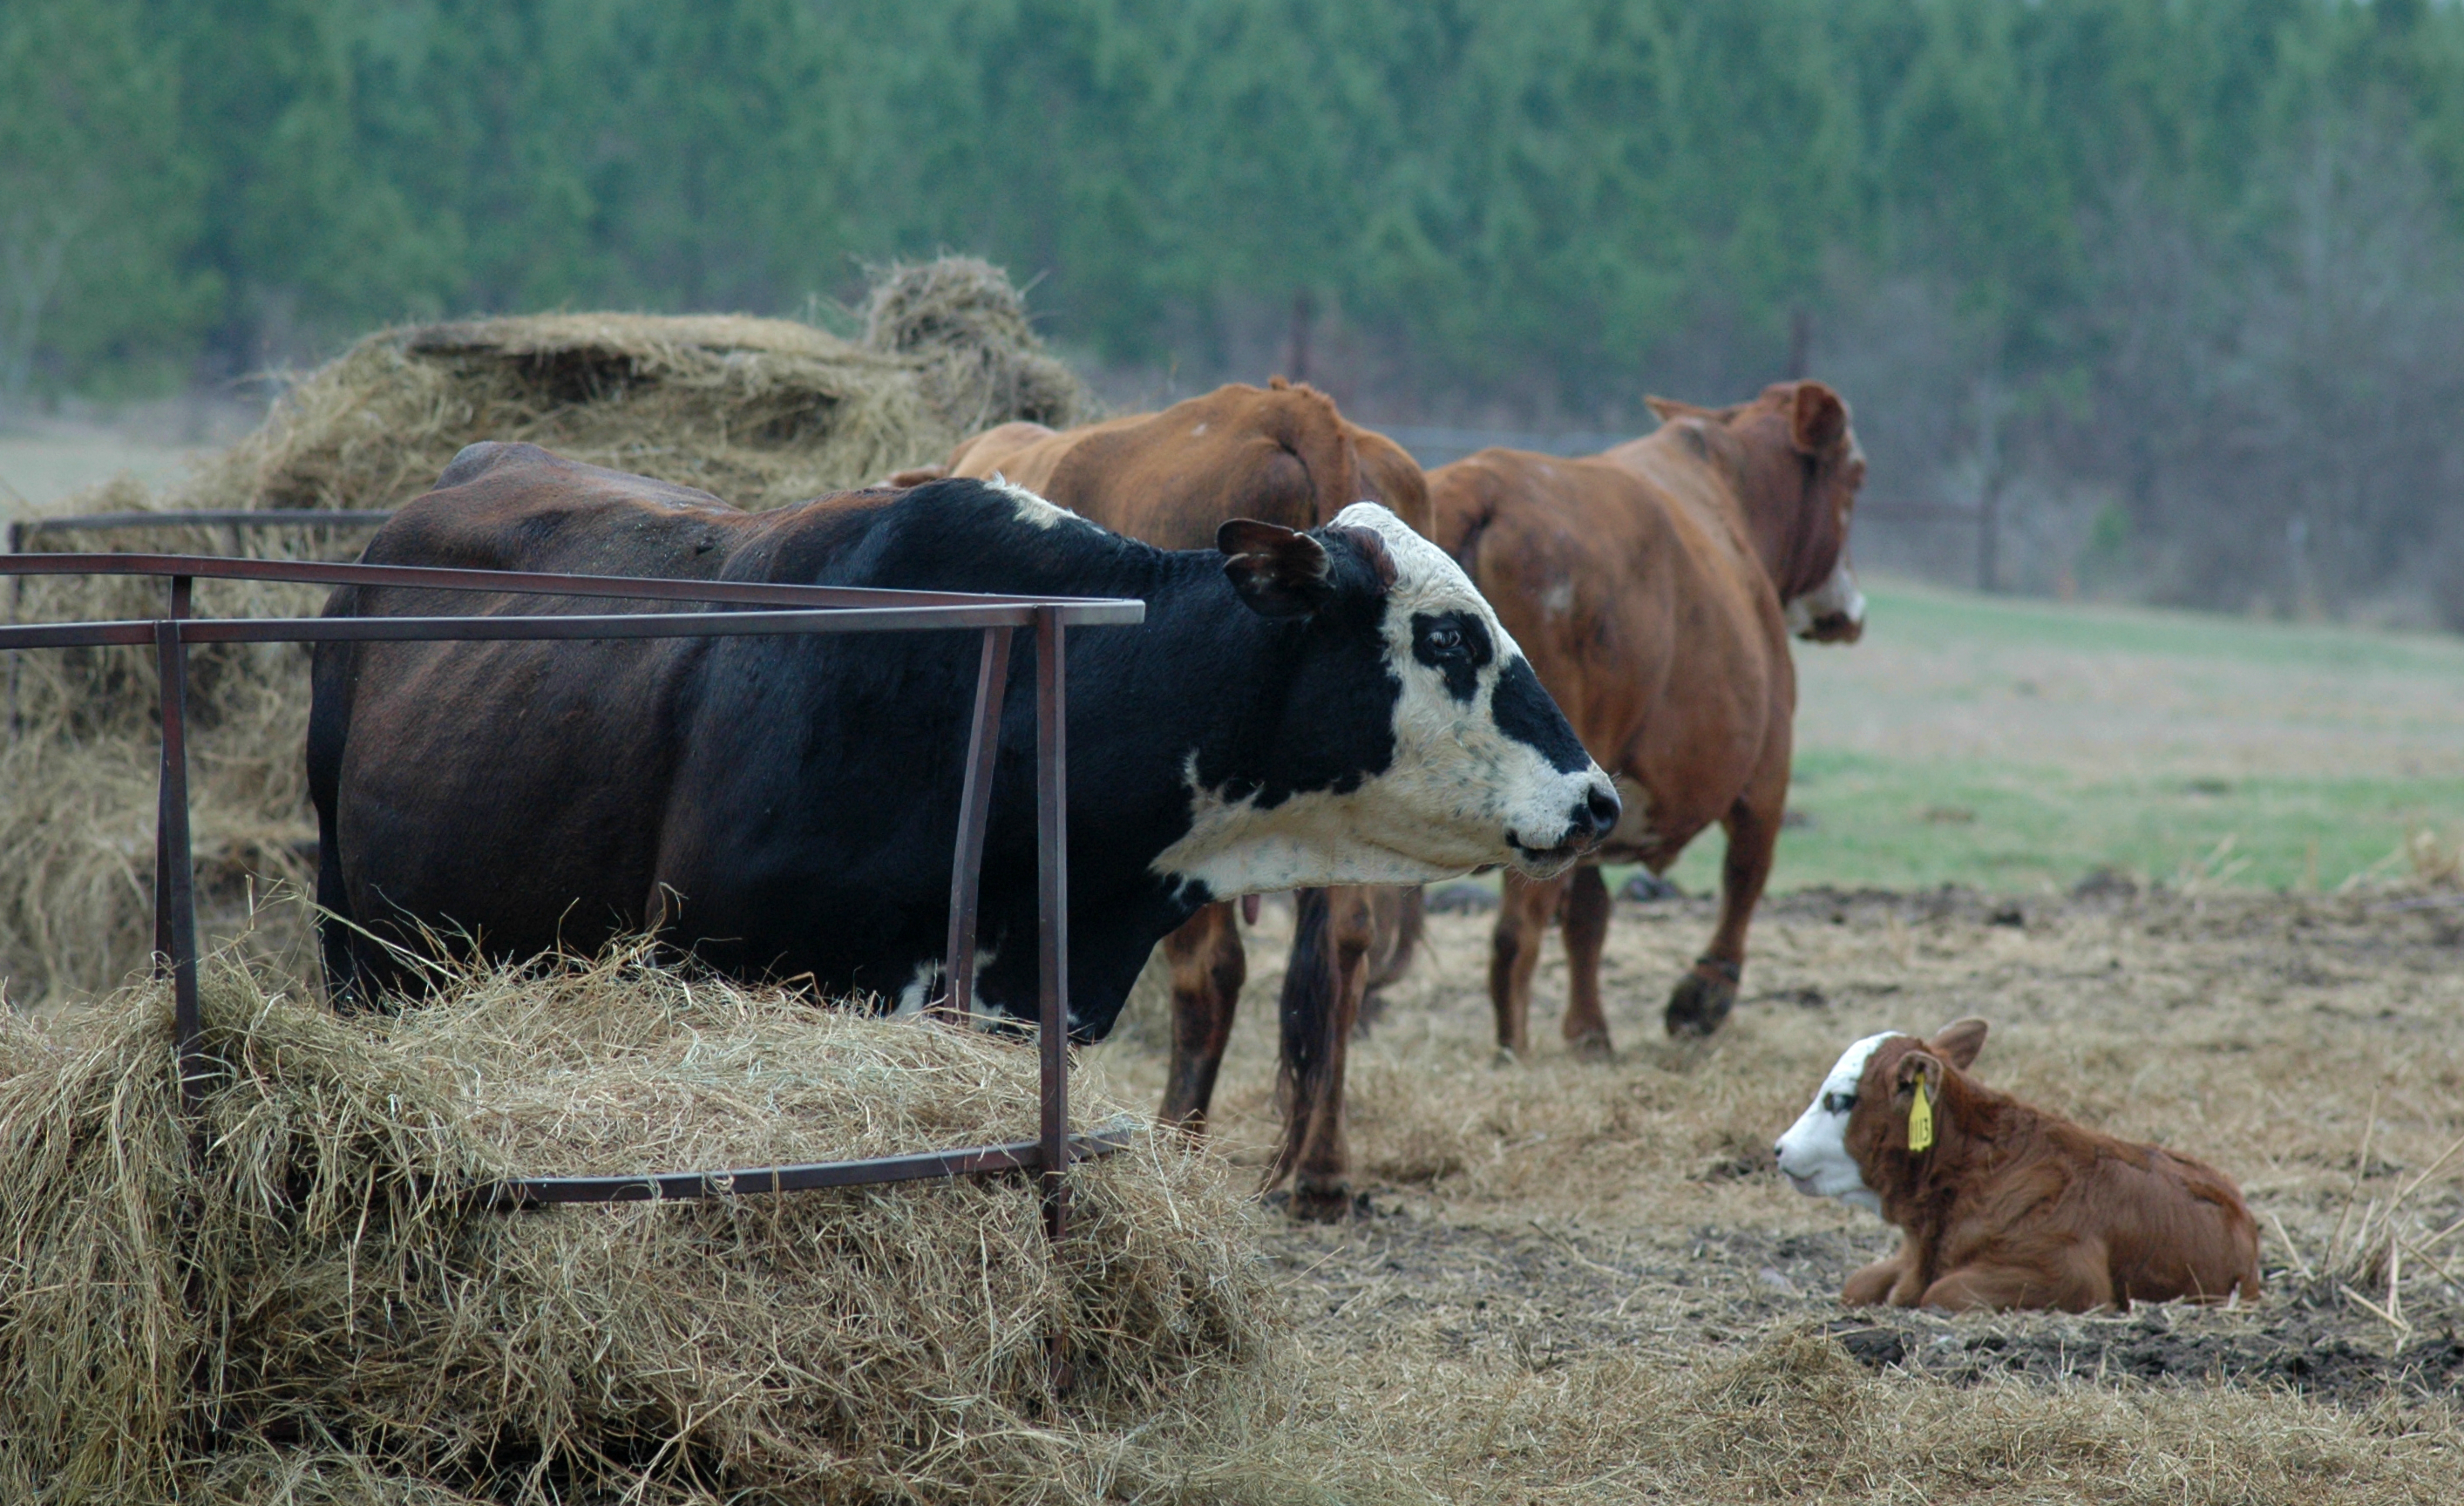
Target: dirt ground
1550 1229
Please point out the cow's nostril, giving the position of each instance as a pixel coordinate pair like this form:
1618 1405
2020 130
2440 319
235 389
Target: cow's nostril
1597 816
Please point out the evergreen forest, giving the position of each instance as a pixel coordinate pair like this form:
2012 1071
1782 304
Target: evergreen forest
2174 286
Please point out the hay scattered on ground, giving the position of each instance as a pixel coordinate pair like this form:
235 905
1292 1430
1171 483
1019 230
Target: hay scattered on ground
316 1317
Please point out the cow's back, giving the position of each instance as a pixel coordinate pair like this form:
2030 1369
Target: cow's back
1280 454
1646 615
568 742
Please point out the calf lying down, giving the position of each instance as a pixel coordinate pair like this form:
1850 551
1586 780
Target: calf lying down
2001 1205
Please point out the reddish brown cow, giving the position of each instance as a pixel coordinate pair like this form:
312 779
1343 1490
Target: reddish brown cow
2006 1206
1283 455
1654 587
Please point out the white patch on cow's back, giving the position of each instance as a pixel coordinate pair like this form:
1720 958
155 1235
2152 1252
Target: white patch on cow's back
1457 795
1200 430
1028 507
1814 1154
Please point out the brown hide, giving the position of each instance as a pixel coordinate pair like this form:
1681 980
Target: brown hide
1281 454
2014 1207
1646 585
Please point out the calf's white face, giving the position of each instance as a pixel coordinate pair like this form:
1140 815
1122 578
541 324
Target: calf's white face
1814 1154
1483 770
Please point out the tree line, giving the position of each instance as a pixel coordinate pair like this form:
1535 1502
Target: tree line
2172 285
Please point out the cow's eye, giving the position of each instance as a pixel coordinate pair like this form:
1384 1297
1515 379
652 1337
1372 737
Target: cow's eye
1838 1102
1444 639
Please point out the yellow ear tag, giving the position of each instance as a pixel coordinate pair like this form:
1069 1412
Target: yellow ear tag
1919 1122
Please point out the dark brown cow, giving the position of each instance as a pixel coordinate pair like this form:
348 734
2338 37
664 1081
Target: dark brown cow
2001 1205
1282 453
1654 587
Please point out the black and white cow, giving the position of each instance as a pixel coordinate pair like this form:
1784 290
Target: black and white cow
1335 707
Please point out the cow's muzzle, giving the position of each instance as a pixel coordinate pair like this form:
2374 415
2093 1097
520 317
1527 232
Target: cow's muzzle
1590 819
1836 628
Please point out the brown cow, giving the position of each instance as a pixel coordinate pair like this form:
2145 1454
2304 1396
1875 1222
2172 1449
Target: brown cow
2001 1205
1654 587
1283 454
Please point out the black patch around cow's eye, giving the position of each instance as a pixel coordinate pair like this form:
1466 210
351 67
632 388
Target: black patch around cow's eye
1524 713
1457 645
1838 1102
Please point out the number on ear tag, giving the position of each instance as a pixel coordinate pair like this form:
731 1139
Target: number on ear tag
1919 1122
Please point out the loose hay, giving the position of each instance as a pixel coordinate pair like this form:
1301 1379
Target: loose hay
763 412
315 1316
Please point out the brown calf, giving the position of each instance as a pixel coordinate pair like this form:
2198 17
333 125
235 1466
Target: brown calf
2001 1205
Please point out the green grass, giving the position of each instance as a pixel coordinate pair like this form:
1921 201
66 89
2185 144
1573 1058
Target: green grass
1875 821
2016 745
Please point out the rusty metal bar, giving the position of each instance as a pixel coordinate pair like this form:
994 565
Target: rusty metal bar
1022 1155
975 812
225 517
183 598
518 628
172 852
1052 911
532 582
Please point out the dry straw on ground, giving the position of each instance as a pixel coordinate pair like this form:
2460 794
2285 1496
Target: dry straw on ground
763 412
316 1309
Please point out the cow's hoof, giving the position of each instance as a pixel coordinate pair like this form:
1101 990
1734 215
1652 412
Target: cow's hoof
1701 1003
1329 1204
1592 1046
1505 1057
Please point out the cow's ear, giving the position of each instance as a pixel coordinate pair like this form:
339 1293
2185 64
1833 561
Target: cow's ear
1818 418
1280 571
1959 1041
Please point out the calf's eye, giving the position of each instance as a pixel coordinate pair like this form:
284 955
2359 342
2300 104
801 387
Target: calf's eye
1838 1102
1444 641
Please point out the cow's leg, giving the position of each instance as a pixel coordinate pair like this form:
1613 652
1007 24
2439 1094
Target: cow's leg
2078 1283
1705 996
1586 932
1208 967
1871 1286
1522 914
1397 918
1332 933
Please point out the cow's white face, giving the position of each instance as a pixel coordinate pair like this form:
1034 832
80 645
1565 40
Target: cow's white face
1830 613
1485 769
1814 1154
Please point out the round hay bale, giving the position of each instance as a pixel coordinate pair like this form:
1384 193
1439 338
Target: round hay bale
315 1305
758 411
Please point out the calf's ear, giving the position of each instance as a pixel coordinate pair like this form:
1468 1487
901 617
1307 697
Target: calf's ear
1818 420
1959 1041
1919 1066
1281 572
